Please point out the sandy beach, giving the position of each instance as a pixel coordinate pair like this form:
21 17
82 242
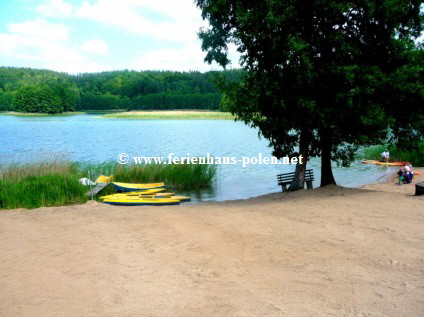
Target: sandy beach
327 252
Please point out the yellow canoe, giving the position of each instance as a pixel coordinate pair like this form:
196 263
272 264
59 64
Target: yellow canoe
391 163
144 192
369 161
104 179
137 201
129 187
181 198
168 195
157 195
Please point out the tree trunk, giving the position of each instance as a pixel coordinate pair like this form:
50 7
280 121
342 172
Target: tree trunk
327 177
299 176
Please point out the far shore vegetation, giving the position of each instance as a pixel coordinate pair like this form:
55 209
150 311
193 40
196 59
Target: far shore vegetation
171 114
36 114
29 90
143 115
44 184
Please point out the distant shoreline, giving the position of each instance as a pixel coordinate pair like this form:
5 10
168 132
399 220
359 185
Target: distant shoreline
141 114
172 114
36 114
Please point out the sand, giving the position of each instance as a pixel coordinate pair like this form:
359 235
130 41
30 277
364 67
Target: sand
326 252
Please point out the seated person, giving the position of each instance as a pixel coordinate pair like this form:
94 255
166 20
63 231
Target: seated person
407 178
406 173
411 171
400 173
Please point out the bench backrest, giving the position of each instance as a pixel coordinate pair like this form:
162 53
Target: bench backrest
288 177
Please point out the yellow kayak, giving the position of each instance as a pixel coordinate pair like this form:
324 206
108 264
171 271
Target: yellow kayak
181 198
137 201
391 163
168 195
104 179
383 163
144 192
157 195
369 161
128 187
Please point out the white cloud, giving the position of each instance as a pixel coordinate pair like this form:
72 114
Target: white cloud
46 45
96 46
55 8
181 24
176 21
40 28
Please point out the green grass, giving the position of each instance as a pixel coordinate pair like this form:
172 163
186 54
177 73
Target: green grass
38 191
172 115
56 183
416 158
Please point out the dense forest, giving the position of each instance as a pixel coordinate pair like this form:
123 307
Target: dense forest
46 91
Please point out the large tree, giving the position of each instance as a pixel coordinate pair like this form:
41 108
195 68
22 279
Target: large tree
322 77
37 98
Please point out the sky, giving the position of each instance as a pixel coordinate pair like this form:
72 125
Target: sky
79 36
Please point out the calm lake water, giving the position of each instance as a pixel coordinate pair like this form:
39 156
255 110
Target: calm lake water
90 138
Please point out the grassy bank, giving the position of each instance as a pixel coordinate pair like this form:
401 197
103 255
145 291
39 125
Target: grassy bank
416 158
172 114
35 114
56 183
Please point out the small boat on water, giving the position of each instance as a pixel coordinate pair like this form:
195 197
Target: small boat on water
137 201
390 163
128 187
383 163
369 161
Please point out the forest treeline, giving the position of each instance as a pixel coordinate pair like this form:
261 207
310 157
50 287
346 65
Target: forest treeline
46 91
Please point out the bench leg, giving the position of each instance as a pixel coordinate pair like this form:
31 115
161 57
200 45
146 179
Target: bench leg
309 185
284 188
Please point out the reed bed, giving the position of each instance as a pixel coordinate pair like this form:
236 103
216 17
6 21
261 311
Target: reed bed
56 183
172 115
37 191
414 157
178 177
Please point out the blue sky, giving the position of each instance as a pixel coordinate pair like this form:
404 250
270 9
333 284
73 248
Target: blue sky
79 36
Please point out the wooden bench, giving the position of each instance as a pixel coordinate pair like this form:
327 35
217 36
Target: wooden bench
286 179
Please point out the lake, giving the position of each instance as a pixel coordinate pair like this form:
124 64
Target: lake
89 138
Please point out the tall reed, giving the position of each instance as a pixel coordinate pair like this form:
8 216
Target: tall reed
56 183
